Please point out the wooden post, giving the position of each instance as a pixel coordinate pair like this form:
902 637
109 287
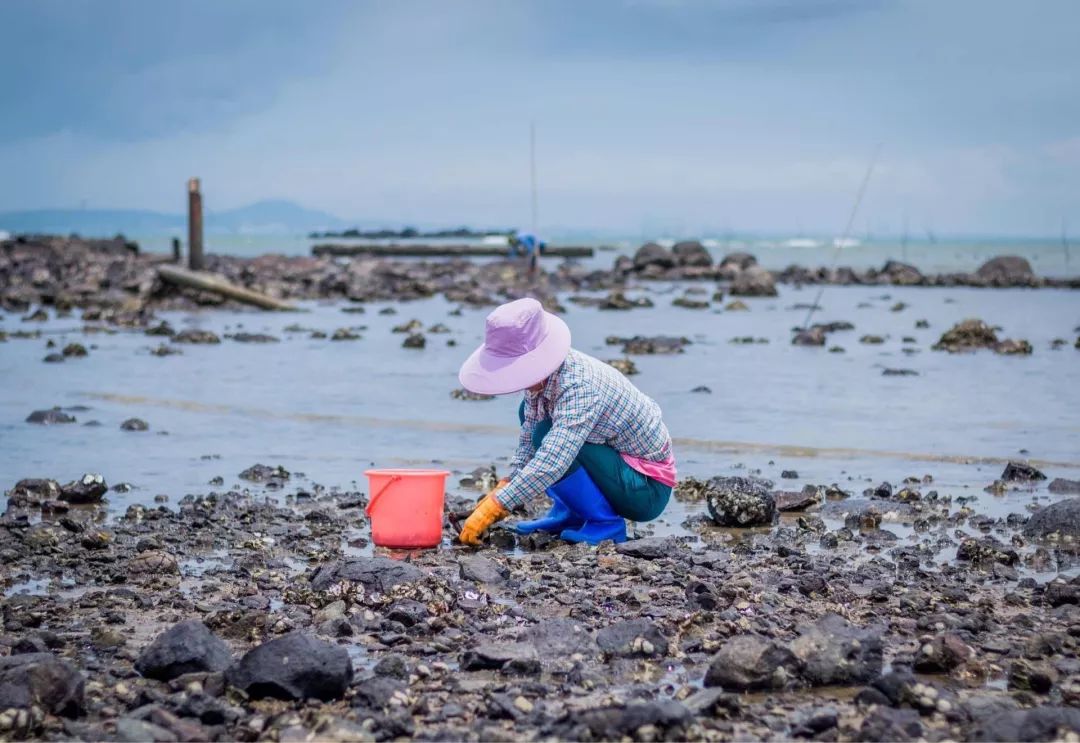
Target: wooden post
176 256
209 282
195 226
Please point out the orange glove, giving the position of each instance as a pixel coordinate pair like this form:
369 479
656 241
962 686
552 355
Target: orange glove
487 512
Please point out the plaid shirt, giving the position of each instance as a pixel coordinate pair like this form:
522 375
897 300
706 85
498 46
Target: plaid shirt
587 401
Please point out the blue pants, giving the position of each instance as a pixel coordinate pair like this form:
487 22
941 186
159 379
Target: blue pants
631 494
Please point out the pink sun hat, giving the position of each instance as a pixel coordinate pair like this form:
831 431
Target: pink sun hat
523 345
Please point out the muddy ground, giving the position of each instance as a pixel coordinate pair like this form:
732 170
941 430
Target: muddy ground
791 630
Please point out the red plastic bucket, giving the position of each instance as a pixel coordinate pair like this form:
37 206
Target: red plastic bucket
406 507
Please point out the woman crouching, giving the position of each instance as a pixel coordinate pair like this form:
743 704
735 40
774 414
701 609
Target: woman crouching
589 438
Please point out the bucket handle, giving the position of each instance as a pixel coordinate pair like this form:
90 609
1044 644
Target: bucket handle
374 498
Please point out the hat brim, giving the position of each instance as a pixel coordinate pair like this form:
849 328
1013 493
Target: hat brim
487 374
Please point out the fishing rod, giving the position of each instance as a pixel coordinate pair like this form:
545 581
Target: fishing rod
847 232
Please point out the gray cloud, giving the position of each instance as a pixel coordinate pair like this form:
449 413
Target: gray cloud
746 113
122 69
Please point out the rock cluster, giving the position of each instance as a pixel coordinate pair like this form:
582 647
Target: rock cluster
973 334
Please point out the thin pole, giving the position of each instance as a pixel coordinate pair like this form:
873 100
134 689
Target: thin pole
533 257
195 226
532 170
847 231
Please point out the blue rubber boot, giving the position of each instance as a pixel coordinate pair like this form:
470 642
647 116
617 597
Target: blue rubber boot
580 494
558 518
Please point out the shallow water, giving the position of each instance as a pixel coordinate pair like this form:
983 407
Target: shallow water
330 409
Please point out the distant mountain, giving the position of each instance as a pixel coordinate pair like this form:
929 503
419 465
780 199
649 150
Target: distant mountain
272 217
264 217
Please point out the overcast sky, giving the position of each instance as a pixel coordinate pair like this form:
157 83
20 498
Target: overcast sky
655 115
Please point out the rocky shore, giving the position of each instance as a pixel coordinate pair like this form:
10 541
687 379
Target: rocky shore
808 620
111 281
744 277
838 610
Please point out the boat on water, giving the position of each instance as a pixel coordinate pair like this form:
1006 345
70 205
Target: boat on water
802 242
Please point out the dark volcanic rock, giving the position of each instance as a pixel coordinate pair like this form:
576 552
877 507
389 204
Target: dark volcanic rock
832 651
482 570
614 723
640 345
787 500
375 693
135 424
740 502
40 680
902 274
973 334
1062 486
374 573
691 253
187 647
943 653
1028 676
407 611
1007 270
33 490
87 489
815 336
967 335
254 338
1060 592
163 328
1059 519
741 261
414 340
49 417
296 666
986 551
689 303
634 637
1010 347
649 548
561 638
1021 472
752 662
754 281
518 657
264 473
651 254
204 337
626 366
1040 723
886 723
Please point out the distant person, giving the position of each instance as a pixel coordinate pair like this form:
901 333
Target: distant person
591 440
525 243
528 245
